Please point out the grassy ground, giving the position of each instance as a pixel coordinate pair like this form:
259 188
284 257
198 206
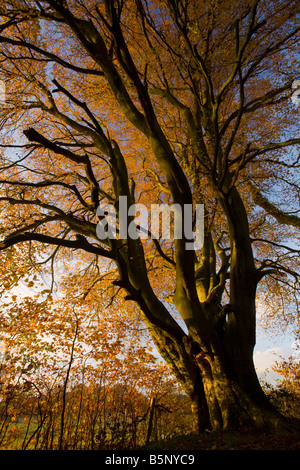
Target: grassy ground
259 440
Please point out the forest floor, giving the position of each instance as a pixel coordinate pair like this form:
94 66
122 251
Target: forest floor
247 440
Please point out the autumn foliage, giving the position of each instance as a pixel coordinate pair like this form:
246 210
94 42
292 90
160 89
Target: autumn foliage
69 385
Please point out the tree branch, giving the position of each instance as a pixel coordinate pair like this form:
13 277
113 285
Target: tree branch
34 136
281 216
81 243
51 56
45 184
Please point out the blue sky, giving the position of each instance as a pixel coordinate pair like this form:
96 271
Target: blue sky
268 350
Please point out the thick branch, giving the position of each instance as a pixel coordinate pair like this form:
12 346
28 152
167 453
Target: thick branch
45 184
51 56
281 216
34 136
81 243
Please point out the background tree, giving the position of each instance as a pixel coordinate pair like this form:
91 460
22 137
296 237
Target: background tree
73 380
174 102
285 393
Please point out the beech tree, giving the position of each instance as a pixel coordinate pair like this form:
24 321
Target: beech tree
172 102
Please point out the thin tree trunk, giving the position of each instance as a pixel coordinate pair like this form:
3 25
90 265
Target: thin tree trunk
150 423
62 418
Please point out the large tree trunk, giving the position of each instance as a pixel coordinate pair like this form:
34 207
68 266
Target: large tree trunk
220 402
231 387
221 397
216 364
